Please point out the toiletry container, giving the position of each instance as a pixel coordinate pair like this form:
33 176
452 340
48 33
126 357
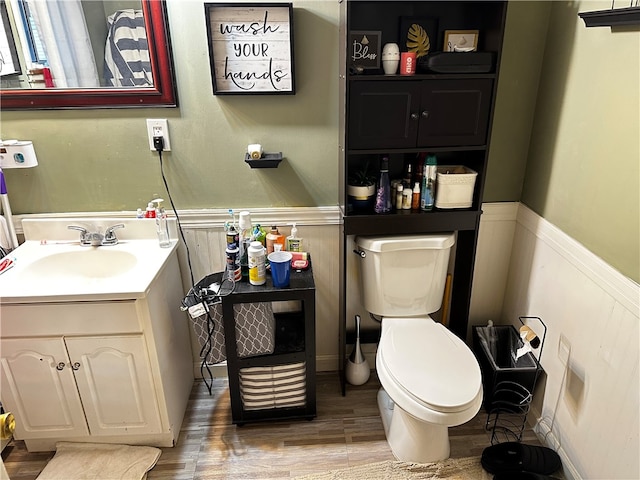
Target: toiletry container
294 243
162 225
273 237
257 268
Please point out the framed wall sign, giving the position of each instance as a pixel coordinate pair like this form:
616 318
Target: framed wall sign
364 49
251 48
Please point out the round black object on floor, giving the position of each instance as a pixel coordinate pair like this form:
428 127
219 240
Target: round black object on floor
514 457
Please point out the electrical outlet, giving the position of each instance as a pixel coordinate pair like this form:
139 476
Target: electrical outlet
158 127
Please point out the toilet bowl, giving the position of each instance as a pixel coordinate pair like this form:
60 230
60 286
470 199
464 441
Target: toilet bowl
430 381
430 378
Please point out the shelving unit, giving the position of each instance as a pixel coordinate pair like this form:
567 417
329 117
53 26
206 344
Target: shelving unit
294 344
449 115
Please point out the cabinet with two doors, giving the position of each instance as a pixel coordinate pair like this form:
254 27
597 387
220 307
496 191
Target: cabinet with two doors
117 371
444 109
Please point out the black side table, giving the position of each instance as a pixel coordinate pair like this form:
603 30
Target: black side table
294 343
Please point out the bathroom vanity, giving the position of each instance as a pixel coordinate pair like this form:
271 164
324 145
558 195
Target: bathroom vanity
98 351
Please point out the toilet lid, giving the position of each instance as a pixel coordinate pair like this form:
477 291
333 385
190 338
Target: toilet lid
430 363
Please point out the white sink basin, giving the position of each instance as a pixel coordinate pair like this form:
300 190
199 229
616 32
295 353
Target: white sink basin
63 270
85 263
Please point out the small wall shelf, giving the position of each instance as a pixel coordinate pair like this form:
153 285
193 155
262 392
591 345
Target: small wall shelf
268 160
612 17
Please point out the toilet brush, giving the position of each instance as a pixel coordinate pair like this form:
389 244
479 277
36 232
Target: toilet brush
357 370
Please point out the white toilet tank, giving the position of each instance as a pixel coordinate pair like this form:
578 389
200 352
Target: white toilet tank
404 275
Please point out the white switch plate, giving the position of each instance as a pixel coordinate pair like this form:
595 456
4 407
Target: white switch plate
158 127
564 350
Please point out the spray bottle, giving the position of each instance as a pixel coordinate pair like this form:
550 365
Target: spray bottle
162 225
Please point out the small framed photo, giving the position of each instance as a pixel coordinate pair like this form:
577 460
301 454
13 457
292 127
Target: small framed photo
364 48
460 40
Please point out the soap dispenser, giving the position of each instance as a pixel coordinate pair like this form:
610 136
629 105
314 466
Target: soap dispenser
162 225
294 243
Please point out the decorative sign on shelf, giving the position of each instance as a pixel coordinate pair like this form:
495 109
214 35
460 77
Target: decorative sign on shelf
364 49
251 48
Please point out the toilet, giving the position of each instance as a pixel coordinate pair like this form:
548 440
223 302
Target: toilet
430 378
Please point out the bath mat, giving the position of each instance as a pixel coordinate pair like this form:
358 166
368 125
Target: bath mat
99 461
451 469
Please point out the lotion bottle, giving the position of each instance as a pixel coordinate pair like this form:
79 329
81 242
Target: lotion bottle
294 243
274 237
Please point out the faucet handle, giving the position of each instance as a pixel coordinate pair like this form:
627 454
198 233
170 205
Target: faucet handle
109 234
82 230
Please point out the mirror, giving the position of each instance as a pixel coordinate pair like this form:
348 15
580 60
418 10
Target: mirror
154 88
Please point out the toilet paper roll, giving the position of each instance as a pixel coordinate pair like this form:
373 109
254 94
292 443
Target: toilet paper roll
255 151
7 425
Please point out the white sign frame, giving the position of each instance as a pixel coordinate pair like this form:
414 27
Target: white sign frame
251 48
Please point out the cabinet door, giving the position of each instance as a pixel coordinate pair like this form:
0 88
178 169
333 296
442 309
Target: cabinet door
383 114
39 388
115 381
454 112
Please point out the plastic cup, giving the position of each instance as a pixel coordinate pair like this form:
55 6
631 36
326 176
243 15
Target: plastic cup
280 268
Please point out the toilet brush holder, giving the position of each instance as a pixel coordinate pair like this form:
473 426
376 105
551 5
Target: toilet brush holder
357 370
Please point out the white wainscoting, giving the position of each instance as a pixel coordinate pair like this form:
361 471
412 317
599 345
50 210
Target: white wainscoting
590 411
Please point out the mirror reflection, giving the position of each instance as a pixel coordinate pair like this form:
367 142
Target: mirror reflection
72 44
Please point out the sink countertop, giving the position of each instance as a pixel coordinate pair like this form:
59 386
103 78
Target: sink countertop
25 283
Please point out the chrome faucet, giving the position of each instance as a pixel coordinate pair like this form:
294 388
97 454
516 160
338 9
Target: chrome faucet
96 239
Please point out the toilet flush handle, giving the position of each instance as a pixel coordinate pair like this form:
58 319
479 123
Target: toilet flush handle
362 253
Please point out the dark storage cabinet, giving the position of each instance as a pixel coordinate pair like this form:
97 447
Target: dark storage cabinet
447 114
423 113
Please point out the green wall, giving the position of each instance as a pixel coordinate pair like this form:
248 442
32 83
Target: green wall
562 141
583 170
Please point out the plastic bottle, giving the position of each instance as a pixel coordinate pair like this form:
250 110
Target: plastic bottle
383 195
244 238
294 243
408 175
429 183
150 211
260 235
399 190
273 237
415 198
257 261
406 198
162 225
139 213
233 262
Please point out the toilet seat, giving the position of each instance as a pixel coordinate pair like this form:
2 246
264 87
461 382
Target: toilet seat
428 371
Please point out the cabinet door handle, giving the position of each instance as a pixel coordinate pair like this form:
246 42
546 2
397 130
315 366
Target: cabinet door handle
76 366
60 366
414 116
425 114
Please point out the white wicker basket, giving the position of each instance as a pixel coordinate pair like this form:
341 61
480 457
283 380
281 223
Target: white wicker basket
454 186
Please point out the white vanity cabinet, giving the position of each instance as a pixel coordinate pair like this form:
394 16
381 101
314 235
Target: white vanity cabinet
101 371
79 386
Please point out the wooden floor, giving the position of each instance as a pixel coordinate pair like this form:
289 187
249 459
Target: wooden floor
347 431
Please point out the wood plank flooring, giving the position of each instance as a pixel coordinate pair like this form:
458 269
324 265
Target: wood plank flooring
347 431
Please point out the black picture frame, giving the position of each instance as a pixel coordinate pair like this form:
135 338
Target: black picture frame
365 48
9 62
429 24
251 48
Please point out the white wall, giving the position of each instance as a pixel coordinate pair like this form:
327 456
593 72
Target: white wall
591 407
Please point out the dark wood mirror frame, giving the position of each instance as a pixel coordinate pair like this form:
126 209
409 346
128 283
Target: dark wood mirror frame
162 94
